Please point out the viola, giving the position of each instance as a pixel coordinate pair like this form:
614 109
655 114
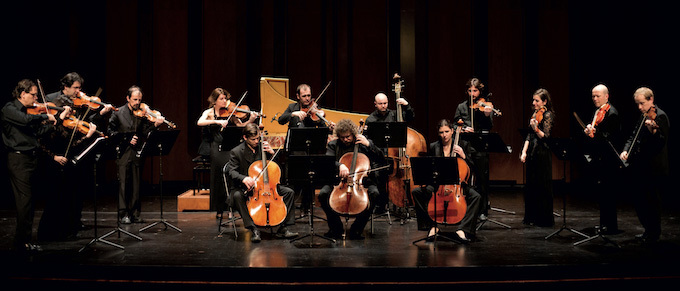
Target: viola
152 115
350 197
481 105
266 206
94 102
448 205
82 126
241 112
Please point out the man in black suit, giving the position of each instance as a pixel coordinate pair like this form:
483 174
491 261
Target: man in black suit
129 130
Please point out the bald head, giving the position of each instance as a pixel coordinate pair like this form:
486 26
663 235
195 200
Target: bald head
381 102
600 95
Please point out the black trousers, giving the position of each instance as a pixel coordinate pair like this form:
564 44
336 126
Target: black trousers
21 169
129 177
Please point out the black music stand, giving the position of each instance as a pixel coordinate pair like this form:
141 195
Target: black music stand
490 142
231 137
435 171
390 135
159 143
306 141
564 149
315 171
94 151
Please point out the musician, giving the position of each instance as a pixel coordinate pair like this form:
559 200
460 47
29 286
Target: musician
129 130
240 159
19 134
647 153
213 123
445 147
383 113
348 135
71 85
294 114
477 121
538 191
605 166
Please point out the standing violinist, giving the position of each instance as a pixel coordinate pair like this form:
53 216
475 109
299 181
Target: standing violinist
445 147
240 159
477 121
602 140
538 191
647 154
71 85
128 129
213 122
19 134
383 113
348 136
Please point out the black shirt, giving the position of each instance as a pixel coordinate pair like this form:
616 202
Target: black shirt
19 129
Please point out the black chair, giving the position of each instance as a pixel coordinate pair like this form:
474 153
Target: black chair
232 218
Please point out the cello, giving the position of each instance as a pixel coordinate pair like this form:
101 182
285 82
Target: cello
265 206
350 197
448 205
400 181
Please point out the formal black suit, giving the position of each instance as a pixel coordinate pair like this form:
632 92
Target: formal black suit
422 195
123 125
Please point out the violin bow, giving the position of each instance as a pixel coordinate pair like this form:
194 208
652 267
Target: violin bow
237 105
624 163
42 94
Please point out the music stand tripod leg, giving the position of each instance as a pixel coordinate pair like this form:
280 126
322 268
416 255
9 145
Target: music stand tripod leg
160 182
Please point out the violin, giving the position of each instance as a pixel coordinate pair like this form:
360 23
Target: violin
538 116
481 105
266 206
82 126
95 102
241 112
152 115
647 118
350 197
313 110
448 205
43 108
598 118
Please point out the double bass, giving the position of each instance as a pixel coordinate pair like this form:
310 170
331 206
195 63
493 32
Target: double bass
400 181
350 197
448 205
265 206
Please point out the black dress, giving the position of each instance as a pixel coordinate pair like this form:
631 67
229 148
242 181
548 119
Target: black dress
538 191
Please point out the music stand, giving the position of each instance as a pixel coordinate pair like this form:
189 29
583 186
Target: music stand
390 135
306 141
94 152
564 150
490 142
435 171
315 171
231 137
159 143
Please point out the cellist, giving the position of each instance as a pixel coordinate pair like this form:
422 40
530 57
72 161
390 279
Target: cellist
444 147
240 159
347 134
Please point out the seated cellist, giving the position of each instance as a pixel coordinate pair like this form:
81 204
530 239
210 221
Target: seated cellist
445 147
348 136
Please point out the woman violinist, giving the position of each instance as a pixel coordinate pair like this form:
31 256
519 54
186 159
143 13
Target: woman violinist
212 121
445 147
538 192
240 160
647 154
348 136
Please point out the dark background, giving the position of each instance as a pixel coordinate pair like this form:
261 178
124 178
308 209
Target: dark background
179 50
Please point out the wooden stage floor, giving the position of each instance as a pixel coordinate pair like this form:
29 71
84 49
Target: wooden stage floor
199 256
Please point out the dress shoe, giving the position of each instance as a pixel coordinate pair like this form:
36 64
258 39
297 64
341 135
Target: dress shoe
646 238
136 219
125 220
461 239
255 236
356 236
29 247
333 234
285 233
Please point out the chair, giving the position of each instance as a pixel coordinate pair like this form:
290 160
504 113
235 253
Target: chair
231 219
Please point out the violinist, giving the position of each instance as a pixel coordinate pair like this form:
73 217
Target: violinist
20 132
240 159
383 113
602 136
538 191
348 136
128 130
477 119
299 114
445 147
71 86
647 154
212 123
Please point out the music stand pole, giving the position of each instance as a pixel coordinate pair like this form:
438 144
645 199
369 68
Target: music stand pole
160 182
118 228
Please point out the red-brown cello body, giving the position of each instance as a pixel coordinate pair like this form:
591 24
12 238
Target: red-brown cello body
448 205
350 197
266 207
